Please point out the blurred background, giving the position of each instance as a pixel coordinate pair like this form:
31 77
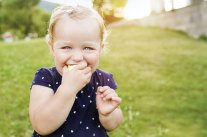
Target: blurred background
156 52
21 19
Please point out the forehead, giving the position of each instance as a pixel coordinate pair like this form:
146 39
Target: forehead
87 29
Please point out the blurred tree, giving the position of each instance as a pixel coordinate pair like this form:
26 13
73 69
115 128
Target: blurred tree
17 4
0 17
109 8
118 3
40 21
17 15
98 5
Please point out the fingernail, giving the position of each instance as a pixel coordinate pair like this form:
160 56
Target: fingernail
101 90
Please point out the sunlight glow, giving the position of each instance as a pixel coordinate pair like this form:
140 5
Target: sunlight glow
87 3
176 4
168 5
181 3
137 9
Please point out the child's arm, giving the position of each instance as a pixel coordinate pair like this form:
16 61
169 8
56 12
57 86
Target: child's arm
110 114
48 111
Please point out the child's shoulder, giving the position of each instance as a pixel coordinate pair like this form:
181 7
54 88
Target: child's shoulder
47 71
101 72
48 77
105 78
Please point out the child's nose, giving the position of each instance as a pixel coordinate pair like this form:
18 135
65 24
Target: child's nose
77 56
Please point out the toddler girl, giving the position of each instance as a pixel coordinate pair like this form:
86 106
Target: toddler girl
77 102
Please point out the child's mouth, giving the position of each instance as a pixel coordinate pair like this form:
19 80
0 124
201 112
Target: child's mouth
70 67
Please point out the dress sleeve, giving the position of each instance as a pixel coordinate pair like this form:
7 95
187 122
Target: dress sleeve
43 78
111 82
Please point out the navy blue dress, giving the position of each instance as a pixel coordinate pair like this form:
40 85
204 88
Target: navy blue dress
83 119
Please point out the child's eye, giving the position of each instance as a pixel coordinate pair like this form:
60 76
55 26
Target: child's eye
88 48
67 47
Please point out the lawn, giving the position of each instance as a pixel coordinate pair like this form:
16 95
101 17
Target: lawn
161 75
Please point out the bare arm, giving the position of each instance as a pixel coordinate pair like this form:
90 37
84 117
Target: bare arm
112 120
110 114
48 111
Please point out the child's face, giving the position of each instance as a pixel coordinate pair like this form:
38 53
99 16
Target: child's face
76 41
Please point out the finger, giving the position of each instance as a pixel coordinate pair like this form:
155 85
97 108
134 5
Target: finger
109 96
81 66
106 92
89 74
99 90
104 88
88 77
65 69
87 70
117 99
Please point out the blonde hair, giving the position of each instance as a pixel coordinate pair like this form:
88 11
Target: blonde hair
74 12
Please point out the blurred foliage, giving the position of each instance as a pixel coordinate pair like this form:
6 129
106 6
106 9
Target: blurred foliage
109 8
110 17
40 21
203 37
20 17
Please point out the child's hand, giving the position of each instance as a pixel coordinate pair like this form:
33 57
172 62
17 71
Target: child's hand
77 77
107 100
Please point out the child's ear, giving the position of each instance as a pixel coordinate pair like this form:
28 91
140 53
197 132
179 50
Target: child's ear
51 47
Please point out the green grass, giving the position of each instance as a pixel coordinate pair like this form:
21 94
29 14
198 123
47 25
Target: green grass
161 75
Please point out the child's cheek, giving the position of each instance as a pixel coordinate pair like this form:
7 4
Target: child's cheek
93 61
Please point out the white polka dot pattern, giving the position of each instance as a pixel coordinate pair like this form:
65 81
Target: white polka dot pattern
85 100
